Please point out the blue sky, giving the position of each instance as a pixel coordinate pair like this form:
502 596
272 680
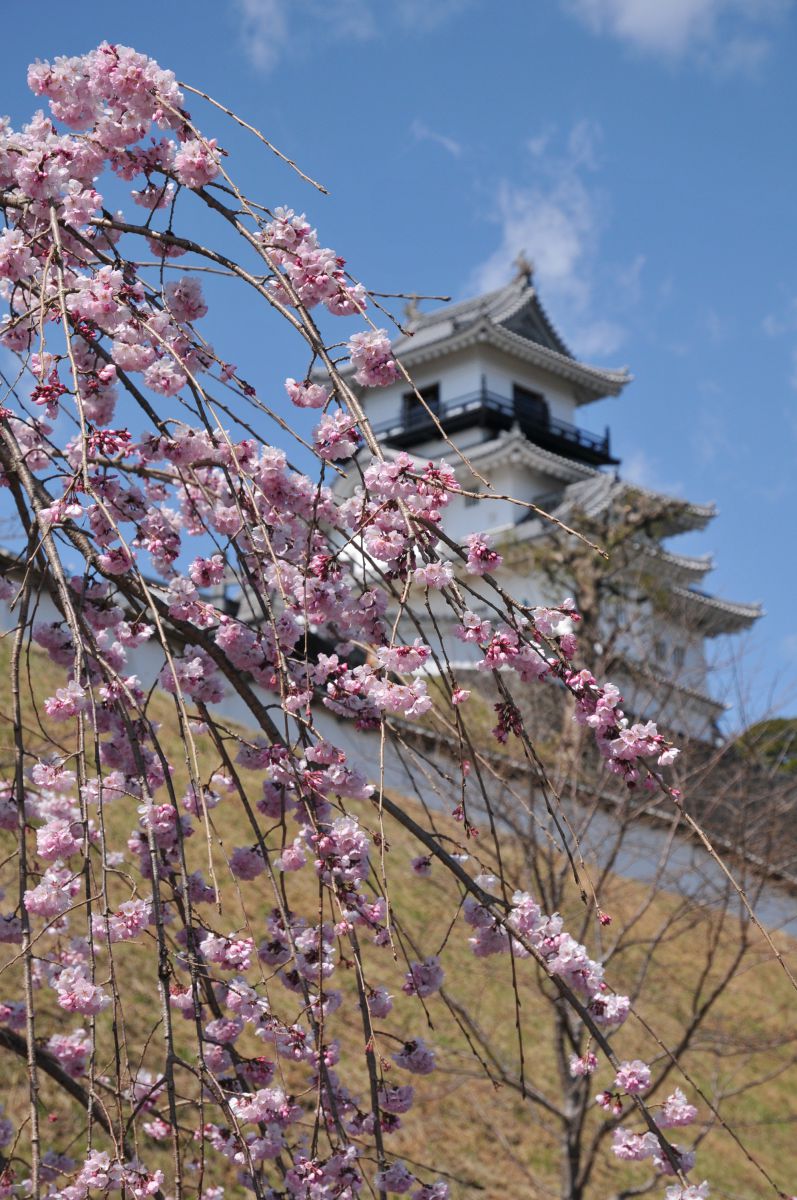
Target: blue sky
642 153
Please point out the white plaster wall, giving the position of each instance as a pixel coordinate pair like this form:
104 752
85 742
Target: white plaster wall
502 372
673 634
511 479
461 373
458 374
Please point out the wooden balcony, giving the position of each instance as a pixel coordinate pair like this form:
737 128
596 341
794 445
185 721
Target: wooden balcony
486 410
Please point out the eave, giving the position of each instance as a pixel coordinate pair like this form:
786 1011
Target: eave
516 448
594 382
643 672
594 496
714 616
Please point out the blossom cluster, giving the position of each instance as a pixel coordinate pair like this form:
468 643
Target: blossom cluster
167 521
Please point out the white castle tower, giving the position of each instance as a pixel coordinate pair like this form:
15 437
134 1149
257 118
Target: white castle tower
500 382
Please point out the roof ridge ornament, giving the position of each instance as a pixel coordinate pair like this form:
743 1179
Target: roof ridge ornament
524 268
412 311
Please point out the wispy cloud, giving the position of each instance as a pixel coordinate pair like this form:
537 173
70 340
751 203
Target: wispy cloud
716 327
555 220
775 324
553 224
639 468
539 143
711 432
558 221
728 35
270 27
422 133
264 30
783 323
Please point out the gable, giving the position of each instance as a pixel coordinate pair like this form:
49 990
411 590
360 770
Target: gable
531 322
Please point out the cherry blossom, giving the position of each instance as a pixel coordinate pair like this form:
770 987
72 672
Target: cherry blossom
372 358
424 978
417 1057
196 162
633 1077
307 394
676 1111
187 564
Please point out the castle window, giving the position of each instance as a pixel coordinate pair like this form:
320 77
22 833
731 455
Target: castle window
413 412
530 405
678 656
660 649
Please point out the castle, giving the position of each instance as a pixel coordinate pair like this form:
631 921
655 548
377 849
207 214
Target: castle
498 389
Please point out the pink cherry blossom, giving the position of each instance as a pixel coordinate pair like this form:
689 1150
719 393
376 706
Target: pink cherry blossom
395 1178
481 559
416 1056
67 702
633 1077
307 394
372 358
424 978
196 163
182 563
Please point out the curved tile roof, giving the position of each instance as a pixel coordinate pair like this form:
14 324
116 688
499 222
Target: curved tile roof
716 615
594 496
513 319
514 446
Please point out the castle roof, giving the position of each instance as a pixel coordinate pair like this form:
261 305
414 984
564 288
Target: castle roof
593 497
511 319
600 493
713 615
512 446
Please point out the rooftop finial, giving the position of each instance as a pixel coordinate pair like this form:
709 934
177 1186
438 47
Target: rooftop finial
524 267
411 310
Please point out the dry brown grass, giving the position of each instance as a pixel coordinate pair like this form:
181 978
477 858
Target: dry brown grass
485 1136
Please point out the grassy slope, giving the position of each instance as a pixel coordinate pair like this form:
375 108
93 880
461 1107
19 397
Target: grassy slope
484 1135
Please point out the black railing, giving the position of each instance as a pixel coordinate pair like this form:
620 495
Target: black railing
488 410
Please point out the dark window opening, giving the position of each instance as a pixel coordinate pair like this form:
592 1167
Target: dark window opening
529 404
413 410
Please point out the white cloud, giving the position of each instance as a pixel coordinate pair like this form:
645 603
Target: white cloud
557 222
664 26
775 324
599 338
264 30
711 431
538 144
781 324
742 55
640 469
270 27
673 28
629 279
715 326
553 225
267 26
583 145
422 133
